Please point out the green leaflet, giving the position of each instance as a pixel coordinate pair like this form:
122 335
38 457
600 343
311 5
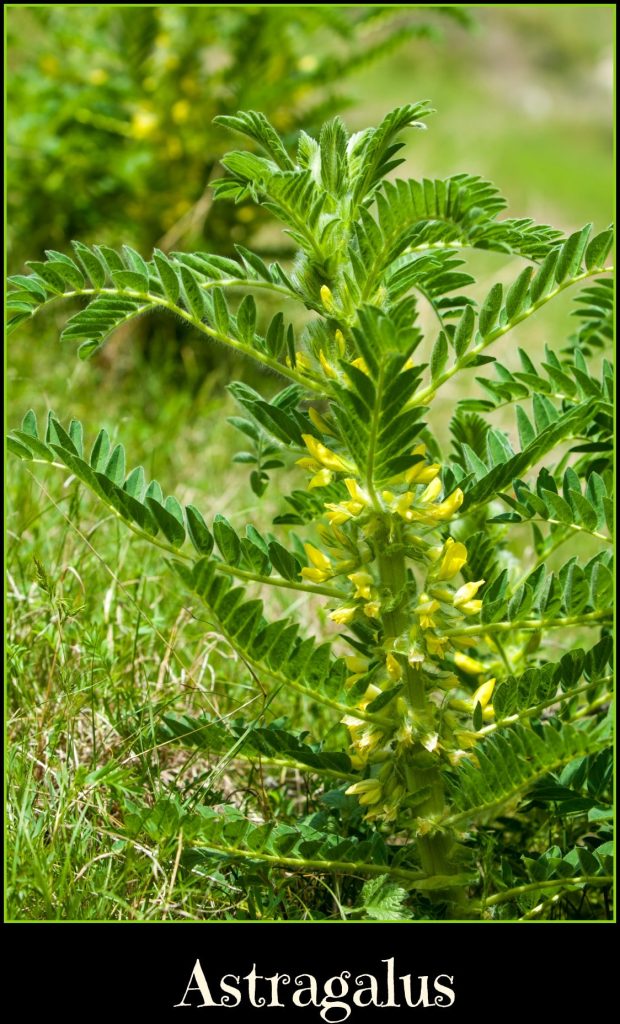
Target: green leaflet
511 761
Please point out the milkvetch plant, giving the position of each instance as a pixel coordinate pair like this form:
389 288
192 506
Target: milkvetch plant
468 592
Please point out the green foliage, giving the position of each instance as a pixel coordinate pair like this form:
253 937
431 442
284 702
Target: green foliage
143 86
454 717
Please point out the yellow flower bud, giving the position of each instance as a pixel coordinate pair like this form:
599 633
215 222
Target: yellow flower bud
328 370
361 364
467 664
327 299
421 473
466 593
342 347
319 422
355 663
483 694
368 790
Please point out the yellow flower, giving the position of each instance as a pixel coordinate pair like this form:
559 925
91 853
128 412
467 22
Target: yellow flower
337 514
372 609
362 582
314 575
451 505
143 123
455 556
310 464
456 756
436 645
342 347
425 610
356 492
327 299
321 566
483 694
343 614
467 664
325 456
328 370
466 593
394 667
470 607
361 364
368 790
321 479
180 111
421 473
301 362
319 422
317 557
431 492
402 504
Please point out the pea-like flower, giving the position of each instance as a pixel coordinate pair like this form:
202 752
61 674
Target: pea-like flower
454 558
425 609
362 581
344 614
325 456
321 568
483 694
465 593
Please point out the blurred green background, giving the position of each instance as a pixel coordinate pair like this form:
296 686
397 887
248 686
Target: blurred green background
110 140
110 136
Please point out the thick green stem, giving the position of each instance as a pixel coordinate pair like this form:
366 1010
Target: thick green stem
435 849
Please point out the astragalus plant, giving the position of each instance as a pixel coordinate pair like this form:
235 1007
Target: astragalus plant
465 667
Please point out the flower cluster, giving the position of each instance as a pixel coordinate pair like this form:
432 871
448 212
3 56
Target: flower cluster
430 643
